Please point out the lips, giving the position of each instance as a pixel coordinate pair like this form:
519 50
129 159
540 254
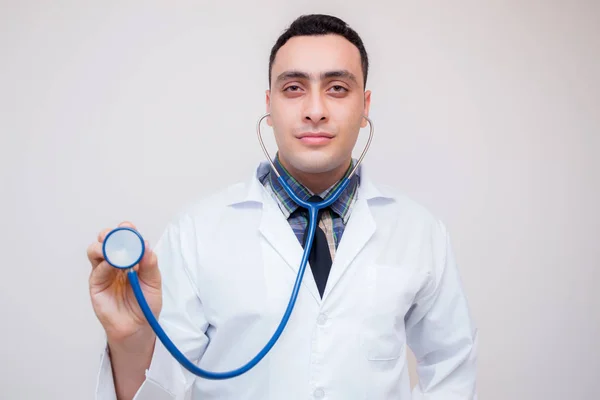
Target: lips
315 138
315 135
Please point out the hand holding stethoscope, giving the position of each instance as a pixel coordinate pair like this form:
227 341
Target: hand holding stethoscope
112 296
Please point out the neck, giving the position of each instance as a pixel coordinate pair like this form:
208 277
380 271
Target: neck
318 182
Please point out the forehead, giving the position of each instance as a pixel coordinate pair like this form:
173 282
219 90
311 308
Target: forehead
316 54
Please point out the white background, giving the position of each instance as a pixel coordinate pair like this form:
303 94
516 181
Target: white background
485 112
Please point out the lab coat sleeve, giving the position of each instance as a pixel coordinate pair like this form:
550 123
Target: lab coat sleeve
440 330
181 317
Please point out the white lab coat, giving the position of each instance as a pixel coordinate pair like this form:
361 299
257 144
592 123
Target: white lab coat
229 263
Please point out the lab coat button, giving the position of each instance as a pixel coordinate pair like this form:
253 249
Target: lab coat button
322 319
319 393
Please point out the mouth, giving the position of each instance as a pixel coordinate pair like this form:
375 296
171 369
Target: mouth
315 138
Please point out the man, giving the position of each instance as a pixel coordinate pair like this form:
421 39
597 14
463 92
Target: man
221 276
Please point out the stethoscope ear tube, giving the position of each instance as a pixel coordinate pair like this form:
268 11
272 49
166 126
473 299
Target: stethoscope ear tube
270 159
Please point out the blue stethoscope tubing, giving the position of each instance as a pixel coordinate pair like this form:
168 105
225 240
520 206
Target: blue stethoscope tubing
313 209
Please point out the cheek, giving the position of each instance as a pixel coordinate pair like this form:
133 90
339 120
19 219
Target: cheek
352 131
350 113
284 123
281 132
351 120
280 115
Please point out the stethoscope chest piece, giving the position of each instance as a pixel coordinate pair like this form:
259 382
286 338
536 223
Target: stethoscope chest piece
123 248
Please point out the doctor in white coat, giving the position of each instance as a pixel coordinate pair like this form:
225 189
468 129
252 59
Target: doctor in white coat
382 276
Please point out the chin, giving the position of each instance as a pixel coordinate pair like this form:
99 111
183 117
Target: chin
314 162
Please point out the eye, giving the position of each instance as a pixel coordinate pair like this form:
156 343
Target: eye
339 89
294 88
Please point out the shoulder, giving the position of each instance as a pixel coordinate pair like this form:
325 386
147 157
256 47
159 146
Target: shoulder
221 208
396 200
209 208
393 204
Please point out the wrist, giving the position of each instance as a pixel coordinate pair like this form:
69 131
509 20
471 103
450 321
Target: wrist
141 342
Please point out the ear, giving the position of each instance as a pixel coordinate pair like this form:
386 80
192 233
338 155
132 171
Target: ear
268 106
366 109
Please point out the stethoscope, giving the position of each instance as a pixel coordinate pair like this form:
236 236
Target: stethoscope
124 247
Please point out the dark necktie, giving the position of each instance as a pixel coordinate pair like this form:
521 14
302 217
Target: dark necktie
319 257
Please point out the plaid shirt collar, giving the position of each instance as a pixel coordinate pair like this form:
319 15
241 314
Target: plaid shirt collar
341 206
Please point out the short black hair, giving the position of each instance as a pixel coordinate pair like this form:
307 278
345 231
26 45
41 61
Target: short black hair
321 24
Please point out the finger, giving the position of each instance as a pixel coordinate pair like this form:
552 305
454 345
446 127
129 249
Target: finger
147 268
102 235
125 224
94 254
146 258
103 275
147 253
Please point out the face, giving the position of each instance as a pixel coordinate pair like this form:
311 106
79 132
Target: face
317 102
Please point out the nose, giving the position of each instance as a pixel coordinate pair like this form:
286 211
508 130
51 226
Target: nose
315 108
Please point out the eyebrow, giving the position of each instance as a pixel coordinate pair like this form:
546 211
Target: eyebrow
294 74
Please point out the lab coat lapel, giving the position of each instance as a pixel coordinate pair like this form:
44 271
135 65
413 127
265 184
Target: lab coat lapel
358 231
360 228
280 236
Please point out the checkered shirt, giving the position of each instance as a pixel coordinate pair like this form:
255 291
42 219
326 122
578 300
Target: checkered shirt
333 220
